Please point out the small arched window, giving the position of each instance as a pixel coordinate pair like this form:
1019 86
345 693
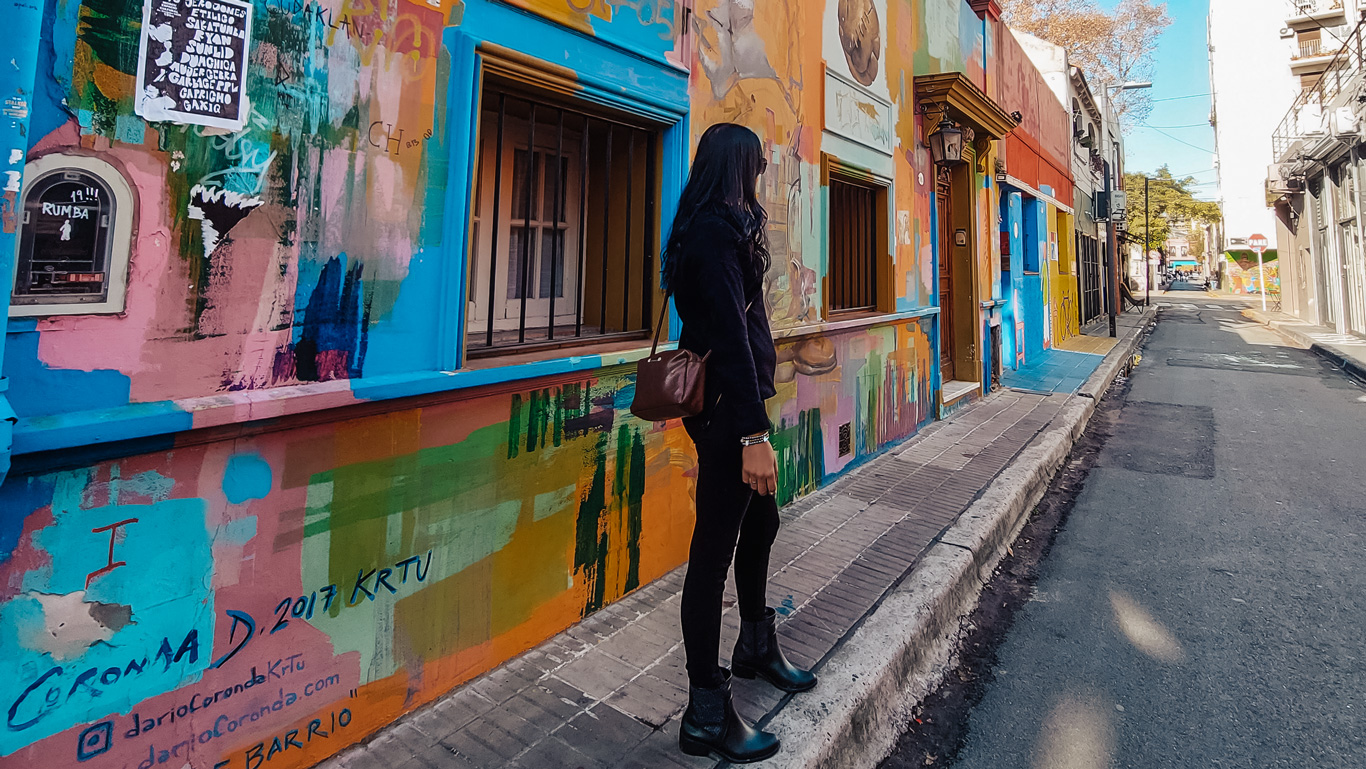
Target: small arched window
74 238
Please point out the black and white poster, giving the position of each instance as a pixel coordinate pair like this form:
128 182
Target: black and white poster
193 63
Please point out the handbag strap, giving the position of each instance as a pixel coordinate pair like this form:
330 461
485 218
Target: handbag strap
663 311
654 345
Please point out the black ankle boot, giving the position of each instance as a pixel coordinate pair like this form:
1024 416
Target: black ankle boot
757 653
711 725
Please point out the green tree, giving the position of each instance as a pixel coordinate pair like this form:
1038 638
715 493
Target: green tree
1111 47
1170 201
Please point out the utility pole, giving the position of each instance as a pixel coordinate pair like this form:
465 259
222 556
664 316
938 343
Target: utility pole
1111 268
1147 245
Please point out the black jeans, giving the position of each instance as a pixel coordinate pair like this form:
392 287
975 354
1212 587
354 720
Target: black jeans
732 520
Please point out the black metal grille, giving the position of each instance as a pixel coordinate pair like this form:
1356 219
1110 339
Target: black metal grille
563 226
853 246
64 248
1088 253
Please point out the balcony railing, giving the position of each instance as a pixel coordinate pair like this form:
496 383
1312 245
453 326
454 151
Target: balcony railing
1308 115
1299 8
1311 48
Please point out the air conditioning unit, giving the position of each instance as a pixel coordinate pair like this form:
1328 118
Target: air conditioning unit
1345 122
1281 180
1287 33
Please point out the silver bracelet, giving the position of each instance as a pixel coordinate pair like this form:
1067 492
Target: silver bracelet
754 440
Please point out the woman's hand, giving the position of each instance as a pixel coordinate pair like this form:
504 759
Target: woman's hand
759 468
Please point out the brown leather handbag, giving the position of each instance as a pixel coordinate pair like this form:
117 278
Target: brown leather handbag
669 384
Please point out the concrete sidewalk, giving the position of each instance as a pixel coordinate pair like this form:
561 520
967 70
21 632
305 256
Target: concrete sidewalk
870 575
1345 350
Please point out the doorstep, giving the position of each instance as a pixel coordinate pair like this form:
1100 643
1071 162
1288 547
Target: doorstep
954 389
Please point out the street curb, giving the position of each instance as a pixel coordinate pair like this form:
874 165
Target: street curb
1337 357
901 651
1349 364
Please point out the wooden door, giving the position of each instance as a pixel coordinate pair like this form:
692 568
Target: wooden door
943 193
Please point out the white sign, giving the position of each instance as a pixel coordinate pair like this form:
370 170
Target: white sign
192 66
857 115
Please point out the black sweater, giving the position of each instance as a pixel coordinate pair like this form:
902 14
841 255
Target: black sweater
720 301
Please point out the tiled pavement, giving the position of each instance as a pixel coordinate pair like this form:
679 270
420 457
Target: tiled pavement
1066 368
1054 371
608 692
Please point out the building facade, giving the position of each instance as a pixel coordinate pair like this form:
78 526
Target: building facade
1251 91
1314 185
1038 266
321 343
1095 153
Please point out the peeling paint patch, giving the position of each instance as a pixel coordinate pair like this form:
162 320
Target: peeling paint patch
71 624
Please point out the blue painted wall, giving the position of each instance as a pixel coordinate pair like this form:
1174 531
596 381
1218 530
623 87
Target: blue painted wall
1012 222
1034 254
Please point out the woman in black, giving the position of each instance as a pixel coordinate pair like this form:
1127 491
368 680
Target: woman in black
714 264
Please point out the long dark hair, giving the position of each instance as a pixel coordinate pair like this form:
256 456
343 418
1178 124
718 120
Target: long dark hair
722 181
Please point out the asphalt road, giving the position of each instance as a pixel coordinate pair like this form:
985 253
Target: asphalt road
1205 603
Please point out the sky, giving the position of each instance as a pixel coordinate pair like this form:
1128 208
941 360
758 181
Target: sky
1178 133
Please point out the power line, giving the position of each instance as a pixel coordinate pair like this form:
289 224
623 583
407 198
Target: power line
1179 140
1191 96
1192 125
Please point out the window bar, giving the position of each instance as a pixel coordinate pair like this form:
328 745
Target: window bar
630 212
497 197
866 250
856 285
606 207
648 277
870 280
526 223
851 256
556 249
846 265
837 245
583 227
840 246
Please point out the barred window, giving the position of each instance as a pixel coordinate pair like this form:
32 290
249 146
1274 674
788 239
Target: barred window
564 224
854 220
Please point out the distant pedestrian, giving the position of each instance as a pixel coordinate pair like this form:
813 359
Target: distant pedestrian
714 263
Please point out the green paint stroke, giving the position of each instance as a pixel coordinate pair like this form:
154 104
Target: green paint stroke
801 455
590 536
635 495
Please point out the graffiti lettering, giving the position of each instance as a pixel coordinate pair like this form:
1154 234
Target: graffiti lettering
382 578
251 160
94 740
238 618
196 703
652 13
387 140
302 607
113 530
415 142
414 43
36 702
261 753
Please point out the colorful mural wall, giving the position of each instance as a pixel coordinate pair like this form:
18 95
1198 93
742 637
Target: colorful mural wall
272 505
1241 275
302 587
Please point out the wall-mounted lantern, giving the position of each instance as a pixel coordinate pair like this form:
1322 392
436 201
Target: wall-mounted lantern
946 143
